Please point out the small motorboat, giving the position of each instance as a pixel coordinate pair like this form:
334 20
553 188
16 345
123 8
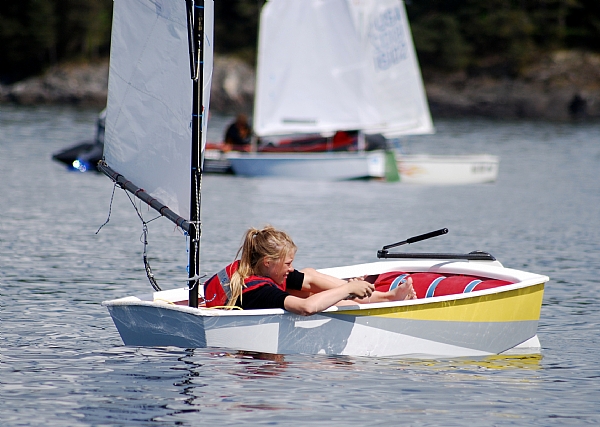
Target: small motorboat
84 156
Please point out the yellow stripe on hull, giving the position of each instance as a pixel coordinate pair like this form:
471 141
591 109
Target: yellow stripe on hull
509 306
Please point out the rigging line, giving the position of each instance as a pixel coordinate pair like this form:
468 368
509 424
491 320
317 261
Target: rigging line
155 218
147 267
138 211
144 240
109 209
195 279
112 197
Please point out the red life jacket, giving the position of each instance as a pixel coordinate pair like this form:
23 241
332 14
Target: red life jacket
217 291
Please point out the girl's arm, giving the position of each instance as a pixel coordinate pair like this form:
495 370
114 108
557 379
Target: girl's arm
317 282
325 299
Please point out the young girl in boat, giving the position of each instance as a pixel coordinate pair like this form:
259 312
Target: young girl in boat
264 277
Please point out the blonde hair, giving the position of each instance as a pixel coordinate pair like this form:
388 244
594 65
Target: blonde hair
257 245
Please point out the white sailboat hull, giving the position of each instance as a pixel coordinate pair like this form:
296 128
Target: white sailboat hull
447 170
155 137
312 166
480 323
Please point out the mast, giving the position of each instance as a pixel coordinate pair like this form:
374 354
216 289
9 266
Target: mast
195 10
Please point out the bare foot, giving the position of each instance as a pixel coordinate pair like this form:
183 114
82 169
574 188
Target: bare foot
404 291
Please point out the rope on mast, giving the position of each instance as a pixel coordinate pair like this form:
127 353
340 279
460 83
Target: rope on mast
195 20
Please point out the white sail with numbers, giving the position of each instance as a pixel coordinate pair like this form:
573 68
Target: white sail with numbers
328 65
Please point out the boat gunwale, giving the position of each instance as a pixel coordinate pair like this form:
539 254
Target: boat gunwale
488 269
421 302
452 159
323 155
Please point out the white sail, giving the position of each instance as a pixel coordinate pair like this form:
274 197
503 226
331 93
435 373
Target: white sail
327 65
149 108
393 84
306 69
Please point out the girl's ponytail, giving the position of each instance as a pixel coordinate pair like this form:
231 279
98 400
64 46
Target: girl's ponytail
257 245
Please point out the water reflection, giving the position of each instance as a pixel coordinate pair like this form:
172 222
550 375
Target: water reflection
495 362
217 382
248 364
275 363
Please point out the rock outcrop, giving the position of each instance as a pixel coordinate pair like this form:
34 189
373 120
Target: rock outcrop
562 86
87 85
79 84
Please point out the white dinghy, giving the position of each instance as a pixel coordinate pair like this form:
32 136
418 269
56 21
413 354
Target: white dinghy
333 166
499 318
468 305
344 65
326 66
448 170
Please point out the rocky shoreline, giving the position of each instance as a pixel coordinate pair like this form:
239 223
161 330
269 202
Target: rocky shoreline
562 86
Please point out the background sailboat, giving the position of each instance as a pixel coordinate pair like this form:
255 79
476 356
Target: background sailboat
325 66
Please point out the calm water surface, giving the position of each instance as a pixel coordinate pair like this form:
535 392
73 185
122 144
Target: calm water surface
63 362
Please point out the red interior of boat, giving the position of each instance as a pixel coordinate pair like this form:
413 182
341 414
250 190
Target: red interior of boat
433 284
341 141
426 285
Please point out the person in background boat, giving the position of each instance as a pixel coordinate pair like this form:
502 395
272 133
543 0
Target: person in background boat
264 278
238 134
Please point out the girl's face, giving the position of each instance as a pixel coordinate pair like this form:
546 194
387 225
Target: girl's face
278 270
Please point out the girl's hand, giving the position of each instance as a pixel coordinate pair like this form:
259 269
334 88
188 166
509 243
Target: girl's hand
360 289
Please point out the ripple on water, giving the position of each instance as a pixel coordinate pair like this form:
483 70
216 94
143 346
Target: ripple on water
63 362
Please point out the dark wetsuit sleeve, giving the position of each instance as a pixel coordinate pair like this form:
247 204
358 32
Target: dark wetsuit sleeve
263 297
294 280
233 136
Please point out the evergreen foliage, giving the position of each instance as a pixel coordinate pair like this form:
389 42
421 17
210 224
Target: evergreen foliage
497 37
38 33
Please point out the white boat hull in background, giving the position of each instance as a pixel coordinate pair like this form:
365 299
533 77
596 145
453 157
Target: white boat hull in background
333 166
447 170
